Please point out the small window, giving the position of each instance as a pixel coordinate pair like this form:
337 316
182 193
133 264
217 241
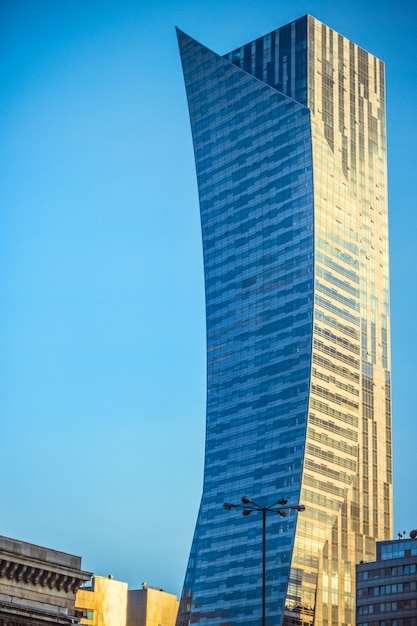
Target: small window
89 614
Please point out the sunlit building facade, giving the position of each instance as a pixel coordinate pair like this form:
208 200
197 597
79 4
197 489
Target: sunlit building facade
289 141
102 602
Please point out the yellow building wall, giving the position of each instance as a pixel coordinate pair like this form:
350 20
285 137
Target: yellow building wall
104 603
150 606
162 608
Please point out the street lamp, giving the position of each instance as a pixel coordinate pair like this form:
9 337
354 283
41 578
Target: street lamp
280 507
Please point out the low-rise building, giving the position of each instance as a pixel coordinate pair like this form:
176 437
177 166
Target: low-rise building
103 602
151 606
386 589
37 585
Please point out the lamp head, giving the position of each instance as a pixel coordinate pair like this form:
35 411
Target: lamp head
300 507
246 500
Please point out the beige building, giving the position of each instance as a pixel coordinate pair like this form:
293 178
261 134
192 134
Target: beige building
103 602
150 606
37 585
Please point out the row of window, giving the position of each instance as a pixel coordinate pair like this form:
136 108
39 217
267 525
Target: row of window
329 306
89 614
336 339
332 321
335 368
398 549
395 570
336 281
402 621
323 392
385 589
331 379
328 410
398 605
330 442
333 427
333 352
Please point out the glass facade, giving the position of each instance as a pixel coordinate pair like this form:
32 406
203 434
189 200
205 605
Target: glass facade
289 142
386 589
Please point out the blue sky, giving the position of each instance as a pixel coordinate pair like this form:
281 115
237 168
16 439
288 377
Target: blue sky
102 332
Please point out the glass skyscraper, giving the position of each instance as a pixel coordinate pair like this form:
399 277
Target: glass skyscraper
289 141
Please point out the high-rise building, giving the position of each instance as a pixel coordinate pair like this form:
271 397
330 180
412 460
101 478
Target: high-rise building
386 589
289 141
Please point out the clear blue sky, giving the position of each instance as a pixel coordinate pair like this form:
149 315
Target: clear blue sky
102 331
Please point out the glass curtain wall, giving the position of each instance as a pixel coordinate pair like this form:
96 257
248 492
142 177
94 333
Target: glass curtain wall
289 141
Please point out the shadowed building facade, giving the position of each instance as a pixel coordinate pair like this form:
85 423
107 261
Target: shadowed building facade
386 589
289 142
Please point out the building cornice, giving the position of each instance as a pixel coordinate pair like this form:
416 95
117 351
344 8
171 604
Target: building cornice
52 576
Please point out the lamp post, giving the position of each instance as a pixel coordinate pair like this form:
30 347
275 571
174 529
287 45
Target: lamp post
280 507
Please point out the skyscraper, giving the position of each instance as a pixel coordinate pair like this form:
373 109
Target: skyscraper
289 141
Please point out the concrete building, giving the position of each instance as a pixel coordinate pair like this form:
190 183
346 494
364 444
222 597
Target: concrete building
386 589
103 602
37 585
151 606
290 150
